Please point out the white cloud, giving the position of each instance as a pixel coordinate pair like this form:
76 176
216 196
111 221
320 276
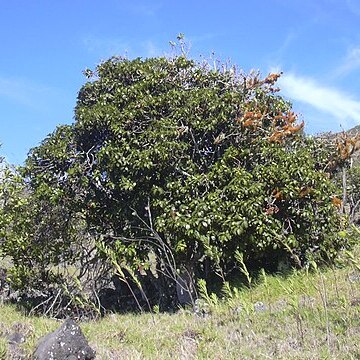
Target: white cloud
341 106
350 63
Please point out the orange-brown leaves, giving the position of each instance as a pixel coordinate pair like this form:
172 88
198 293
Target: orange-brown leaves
249 122
290 118
277 194
250 118
342 147
260 118
304 191
284 127
277 127
273 209
254 81
252 115
276 137
272 78
336 202
346 146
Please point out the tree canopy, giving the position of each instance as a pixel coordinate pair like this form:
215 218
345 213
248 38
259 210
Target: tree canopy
173 160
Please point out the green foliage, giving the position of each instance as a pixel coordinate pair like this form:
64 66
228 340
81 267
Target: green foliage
38 233
3 349
239 257
211 161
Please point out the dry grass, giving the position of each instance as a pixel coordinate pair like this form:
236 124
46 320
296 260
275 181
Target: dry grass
302 316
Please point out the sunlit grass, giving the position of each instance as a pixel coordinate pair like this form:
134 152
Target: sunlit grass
305 315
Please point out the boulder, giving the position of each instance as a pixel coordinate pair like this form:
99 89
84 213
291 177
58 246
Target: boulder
65 343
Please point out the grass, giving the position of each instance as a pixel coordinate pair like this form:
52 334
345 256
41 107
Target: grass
306 315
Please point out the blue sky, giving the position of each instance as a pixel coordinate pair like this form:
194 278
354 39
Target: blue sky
45 45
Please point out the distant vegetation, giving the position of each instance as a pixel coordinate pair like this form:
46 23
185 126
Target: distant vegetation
173 172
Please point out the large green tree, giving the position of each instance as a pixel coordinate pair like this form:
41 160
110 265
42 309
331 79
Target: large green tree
173 159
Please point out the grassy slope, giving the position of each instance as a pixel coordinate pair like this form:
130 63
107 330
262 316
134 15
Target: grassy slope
303 316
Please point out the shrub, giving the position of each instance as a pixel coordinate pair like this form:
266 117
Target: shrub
174 160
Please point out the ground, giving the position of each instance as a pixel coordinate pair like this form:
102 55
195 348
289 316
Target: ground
305 315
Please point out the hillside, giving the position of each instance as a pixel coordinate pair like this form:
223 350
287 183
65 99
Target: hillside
354 131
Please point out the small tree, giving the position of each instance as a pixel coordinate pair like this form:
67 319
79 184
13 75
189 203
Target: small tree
175 160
